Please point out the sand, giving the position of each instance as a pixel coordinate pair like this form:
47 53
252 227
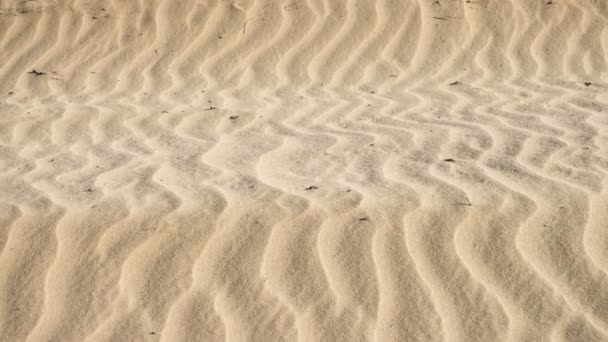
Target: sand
304 170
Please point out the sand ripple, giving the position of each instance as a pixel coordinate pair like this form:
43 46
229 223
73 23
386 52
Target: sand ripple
303 170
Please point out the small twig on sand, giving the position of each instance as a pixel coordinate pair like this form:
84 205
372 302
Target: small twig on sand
468 204
36 73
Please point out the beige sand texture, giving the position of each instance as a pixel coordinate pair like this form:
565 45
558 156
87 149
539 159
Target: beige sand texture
304 170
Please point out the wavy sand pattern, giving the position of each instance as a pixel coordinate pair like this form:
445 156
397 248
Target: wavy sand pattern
311 170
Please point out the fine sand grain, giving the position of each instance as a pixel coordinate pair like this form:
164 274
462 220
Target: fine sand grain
304 170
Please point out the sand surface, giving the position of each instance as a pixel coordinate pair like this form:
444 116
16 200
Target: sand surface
304 170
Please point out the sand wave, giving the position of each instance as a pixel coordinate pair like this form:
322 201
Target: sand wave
303 170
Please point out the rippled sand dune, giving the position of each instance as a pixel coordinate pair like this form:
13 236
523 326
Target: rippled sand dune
304 170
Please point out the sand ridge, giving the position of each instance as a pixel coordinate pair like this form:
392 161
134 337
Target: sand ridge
303 170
